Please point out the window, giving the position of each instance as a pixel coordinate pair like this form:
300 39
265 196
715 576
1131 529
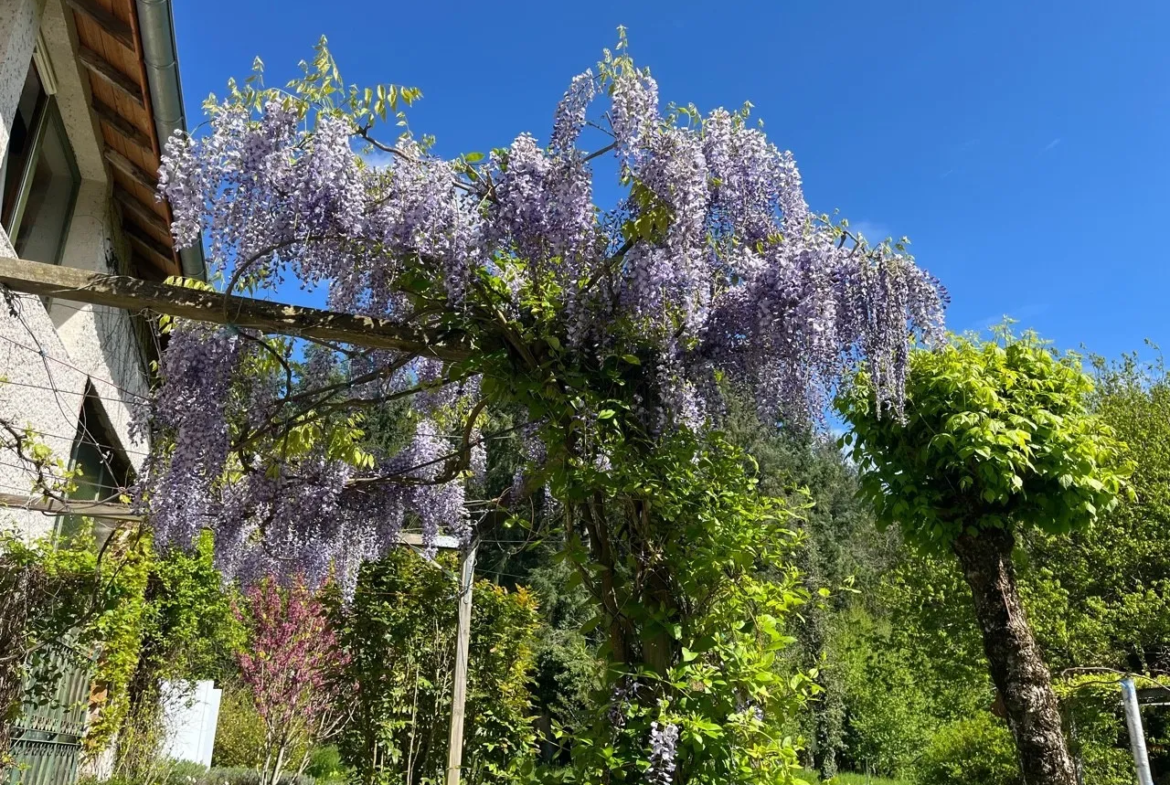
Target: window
40 176
103 470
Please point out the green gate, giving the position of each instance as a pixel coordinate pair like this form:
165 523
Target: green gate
46 739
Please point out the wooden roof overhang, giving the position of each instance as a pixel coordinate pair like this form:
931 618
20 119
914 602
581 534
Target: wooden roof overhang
110 51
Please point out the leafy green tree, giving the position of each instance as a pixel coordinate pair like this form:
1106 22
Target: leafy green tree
997 439
695 666
399 632
841 553
975 750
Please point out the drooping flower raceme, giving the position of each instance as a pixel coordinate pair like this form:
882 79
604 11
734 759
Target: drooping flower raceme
663 746
710 266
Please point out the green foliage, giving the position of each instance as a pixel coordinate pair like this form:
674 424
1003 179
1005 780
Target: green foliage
247 776
325 763
186 631
88 609
841 558
710 635
189 629
119 629
889 708
1115 575
976 750
996 435
239 733
851 778
400 633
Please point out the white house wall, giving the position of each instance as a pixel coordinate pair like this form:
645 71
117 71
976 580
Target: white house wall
47 357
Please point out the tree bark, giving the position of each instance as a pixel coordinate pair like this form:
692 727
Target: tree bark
1016 665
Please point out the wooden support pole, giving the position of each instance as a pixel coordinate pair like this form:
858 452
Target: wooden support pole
135 295
462 645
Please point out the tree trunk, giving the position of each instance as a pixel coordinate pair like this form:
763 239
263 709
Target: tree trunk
1017 668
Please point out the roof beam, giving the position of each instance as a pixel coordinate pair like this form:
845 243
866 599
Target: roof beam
131 170
111 25
133 294
140 211
97 66
122 126
152 249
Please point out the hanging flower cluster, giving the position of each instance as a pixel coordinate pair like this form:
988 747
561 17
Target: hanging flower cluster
710 267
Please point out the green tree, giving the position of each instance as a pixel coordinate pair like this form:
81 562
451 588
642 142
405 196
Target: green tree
997 439
399 632
841 551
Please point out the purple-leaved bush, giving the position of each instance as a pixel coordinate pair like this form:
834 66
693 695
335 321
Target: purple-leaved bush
292 667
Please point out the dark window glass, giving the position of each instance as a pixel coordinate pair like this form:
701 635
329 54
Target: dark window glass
41 178
20 143
49 200
104 472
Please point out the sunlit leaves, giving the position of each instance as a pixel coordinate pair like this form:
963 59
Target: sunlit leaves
996 434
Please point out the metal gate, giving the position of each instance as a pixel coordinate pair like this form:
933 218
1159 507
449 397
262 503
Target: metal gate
46 739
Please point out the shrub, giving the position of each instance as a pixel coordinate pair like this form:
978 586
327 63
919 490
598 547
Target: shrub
399 632
239 734
325 763
240 775
973 751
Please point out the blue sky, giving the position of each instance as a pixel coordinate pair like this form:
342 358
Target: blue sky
1022 146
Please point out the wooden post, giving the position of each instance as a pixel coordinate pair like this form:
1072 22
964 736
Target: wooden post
462 643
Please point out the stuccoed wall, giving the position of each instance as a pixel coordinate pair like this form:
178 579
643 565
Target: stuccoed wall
47 356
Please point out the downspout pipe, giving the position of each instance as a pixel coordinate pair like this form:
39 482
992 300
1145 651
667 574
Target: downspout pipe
156 25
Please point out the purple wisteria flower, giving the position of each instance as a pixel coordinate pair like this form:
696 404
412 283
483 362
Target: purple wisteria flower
708 268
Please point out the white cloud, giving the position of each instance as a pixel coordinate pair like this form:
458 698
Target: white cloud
872 230
1051 145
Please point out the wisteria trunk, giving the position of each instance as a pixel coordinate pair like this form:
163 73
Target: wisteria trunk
1016 665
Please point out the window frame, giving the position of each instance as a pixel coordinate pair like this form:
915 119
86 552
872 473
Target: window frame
49 112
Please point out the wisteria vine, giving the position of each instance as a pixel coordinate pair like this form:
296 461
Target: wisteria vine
710 269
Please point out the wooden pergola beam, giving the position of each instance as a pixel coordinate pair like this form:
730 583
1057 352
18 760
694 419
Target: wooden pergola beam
110 24
124 512
134 295
97 66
